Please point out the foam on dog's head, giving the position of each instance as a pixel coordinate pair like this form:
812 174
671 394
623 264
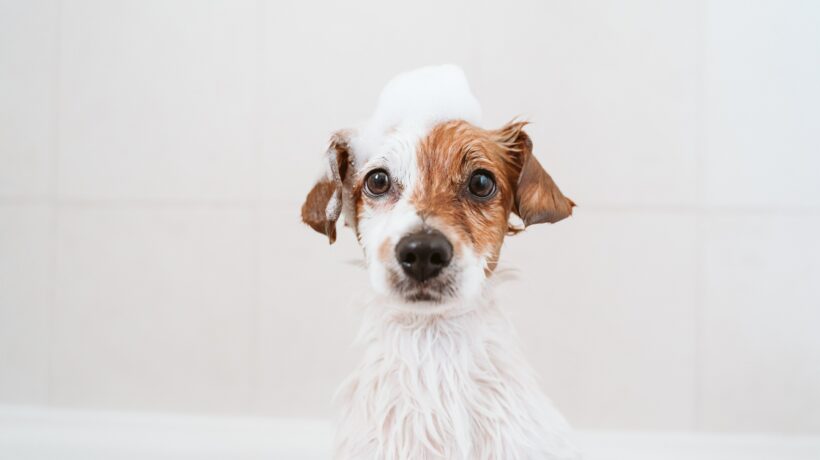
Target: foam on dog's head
412 103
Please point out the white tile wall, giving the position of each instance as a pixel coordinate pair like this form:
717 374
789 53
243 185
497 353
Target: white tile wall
25 300
310 302
155 107
604 304
153 157
610 88
761 323
155 308
28 62
762 103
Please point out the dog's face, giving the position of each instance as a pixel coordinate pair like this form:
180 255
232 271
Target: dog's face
431 211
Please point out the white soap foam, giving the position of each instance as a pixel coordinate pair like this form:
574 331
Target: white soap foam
412 102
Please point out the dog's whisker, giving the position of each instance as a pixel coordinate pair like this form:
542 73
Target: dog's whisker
505 276
360 263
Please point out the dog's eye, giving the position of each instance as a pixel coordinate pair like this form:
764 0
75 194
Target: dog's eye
482 184
377 182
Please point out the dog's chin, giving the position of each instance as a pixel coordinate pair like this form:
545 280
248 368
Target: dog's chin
422 296
418 296
432 292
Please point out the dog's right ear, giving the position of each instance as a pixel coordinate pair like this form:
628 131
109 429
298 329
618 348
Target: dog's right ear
323 204
537 198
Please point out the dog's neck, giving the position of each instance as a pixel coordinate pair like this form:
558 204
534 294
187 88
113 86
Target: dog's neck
455 337
389 315
432 384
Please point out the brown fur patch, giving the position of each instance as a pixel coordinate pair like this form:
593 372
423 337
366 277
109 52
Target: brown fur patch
316 211
537 198
447 158
386 251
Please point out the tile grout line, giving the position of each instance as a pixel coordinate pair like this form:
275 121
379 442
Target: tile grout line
250 203
255 316
701 143
53 200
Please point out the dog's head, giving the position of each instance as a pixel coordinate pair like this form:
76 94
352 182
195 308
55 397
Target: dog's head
430 202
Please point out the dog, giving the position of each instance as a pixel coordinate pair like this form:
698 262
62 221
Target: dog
429 195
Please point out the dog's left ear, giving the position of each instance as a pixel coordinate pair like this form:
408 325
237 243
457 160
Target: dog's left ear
323 204
537 198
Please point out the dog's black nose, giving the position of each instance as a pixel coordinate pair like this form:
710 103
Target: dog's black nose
423 254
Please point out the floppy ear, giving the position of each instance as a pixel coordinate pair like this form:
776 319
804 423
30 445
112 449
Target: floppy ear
323 204
537 198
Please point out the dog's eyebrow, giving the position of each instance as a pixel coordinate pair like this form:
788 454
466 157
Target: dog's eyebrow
475 155
469 151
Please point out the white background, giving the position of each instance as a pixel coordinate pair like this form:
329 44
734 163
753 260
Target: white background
154 155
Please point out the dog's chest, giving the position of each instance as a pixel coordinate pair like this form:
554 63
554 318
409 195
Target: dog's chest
448 390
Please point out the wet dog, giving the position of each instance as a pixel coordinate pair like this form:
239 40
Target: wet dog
429 194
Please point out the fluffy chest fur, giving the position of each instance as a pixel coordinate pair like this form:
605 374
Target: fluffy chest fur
450 386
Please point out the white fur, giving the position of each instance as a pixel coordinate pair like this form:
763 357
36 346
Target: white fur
376 228
443 380
446 386
398 157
